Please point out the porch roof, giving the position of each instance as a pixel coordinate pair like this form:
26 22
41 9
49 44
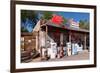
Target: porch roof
65 27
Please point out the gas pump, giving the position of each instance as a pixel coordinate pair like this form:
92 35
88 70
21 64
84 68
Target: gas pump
69 51
53 51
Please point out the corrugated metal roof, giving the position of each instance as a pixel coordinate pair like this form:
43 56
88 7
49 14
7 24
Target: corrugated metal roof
67 28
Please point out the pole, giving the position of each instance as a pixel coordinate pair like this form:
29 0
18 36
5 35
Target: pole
84 41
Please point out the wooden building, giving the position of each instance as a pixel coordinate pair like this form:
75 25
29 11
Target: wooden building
60 34
45 31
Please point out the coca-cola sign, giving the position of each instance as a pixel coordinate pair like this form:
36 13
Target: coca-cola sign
57 19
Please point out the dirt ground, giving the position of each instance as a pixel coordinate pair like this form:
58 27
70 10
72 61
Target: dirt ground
84 55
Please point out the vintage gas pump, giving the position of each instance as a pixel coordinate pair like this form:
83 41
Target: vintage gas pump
53 52
69 51
61 51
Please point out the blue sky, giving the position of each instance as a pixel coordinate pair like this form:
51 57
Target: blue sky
77 16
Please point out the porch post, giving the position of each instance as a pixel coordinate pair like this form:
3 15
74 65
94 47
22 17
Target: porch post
69 49
61 45
61 38
69 36
36 41
39 33
85 41
46 34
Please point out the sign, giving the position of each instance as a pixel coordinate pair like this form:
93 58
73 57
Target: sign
56 19
73 23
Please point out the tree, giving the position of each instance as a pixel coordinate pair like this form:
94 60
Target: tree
23 29
65 20
29 19
32 15
84 24
47 15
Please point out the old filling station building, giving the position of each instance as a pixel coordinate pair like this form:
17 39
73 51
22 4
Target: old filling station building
56 40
